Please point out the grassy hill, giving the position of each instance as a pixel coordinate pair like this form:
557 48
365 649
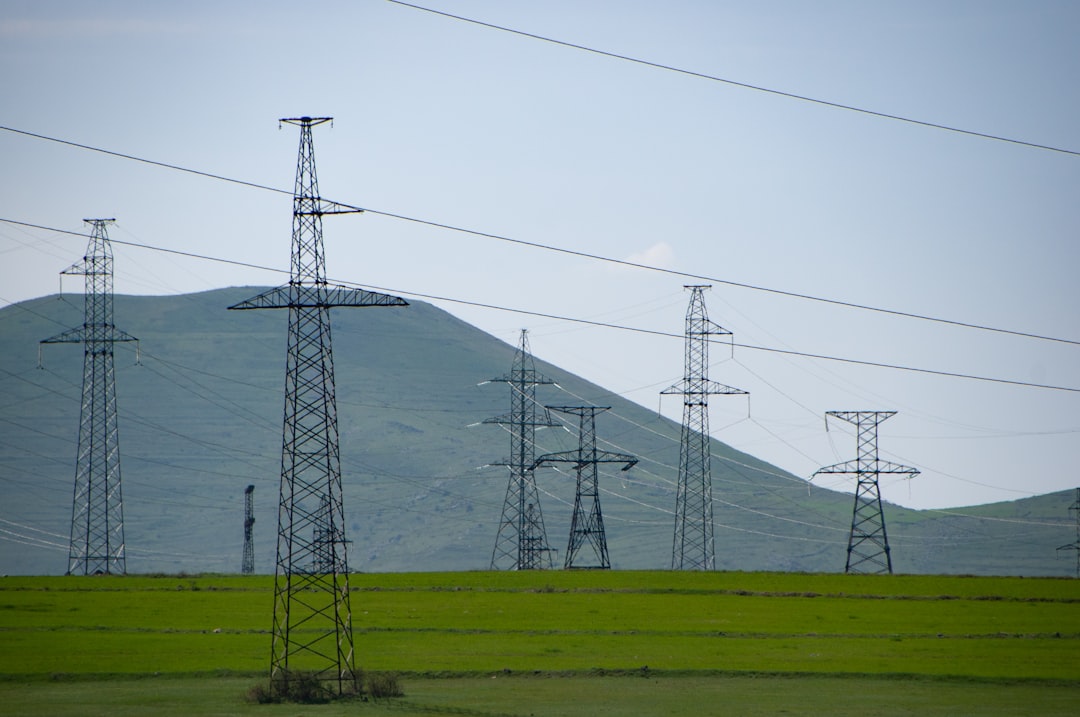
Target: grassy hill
200 419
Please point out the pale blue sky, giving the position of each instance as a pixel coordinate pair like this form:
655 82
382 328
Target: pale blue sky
468 126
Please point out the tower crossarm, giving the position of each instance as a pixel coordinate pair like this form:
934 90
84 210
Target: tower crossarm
578 459
702 387
705 327
573 456
526 377
868 418
78 335
523 380
838 468
855 468
317 207
293 296
895 468
542 420
93 265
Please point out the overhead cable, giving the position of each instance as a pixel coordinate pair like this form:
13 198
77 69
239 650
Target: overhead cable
545 247
744 85
602 324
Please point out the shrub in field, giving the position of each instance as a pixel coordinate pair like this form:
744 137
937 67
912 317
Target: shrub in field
299 687
302 687
260 694
381 685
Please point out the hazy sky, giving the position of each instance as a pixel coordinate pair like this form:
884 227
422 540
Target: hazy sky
454 123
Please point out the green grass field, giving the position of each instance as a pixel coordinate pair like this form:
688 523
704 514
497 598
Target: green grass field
560 643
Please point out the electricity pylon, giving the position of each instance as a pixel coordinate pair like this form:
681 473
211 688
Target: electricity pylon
247 566
694 547
868 543
1075 545
312 616
521 542
97 513
587 524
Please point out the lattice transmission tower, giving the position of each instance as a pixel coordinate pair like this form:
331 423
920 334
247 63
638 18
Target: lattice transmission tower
521 542
868 544
312 628
97 513
1075 545
247 566
587 523
694 547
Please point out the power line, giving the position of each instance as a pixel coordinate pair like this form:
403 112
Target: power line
731 504
535 245
31 541
133 158
734 463
165 250
898 367
727 282
608 325
744 85
726 459
945 511
36 530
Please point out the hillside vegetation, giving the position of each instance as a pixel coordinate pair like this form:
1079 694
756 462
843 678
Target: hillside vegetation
200 419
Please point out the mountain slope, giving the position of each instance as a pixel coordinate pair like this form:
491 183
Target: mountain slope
200 419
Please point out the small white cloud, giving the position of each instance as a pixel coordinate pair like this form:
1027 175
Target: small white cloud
660 255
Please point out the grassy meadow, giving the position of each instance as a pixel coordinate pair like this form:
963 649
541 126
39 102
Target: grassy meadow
560 643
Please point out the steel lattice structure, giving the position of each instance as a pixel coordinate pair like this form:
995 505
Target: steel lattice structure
312 628
1075 545
868 544
587 524
694 547
521 542
97 514
247 566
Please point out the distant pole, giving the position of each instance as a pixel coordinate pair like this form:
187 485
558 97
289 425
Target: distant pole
97 514
312 630
868 543
1075 545
694 547
247 567
587 524
521 541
